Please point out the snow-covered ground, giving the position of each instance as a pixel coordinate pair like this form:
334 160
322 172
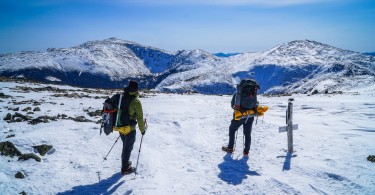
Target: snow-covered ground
181 151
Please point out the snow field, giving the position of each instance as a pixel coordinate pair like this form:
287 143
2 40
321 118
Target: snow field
181 150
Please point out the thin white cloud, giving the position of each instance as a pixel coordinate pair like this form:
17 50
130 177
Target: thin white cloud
267 3
227 2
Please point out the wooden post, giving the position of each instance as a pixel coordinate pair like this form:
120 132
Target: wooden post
289 125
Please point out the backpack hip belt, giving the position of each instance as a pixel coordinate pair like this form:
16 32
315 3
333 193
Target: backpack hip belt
259 111
123 130
238 115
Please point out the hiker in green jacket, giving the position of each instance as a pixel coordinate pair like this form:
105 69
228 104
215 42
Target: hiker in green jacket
130 113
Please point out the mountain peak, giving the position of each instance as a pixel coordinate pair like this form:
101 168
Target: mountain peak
195 52
306 48
109 41
306 41
304 45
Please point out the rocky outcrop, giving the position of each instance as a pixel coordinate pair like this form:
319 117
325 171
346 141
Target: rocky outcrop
8 149
43 149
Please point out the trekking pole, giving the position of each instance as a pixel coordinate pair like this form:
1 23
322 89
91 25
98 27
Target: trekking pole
139 151
105 158
101 128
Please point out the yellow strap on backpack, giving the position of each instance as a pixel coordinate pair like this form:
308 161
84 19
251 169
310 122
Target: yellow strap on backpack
261 110
238 115
123 130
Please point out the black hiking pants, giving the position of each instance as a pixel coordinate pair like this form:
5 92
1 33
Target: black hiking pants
127 147
234 125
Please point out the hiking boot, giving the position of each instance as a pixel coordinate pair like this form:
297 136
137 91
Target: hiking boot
127 170
127 167
226 149
246 152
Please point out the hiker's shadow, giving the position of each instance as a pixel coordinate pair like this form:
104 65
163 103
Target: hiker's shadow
102 187
234 171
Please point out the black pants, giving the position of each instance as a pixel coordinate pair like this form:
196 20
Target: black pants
127 147
234 125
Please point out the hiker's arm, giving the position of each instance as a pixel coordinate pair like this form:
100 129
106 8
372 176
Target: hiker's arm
137 113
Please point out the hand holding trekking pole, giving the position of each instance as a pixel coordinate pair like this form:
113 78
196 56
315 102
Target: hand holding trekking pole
145 124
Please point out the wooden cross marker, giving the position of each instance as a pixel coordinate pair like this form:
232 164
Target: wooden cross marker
290 127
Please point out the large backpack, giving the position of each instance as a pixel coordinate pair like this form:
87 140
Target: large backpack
113 116
245 97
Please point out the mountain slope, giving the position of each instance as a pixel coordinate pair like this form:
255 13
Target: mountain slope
293 67
107 63
106 57
198 71
292 64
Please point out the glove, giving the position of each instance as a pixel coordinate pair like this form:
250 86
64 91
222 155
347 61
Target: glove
143 132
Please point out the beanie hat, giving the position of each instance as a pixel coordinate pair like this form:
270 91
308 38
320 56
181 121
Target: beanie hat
132 86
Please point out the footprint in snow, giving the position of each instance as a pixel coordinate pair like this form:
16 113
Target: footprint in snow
177 124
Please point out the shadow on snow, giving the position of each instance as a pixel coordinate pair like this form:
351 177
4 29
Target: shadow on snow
102 187
234 171
288 160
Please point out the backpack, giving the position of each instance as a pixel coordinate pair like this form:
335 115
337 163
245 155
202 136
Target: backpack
114 117
245 97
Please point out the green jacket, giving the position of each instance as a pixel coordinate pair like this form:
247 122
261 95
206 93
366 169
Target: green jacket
136 112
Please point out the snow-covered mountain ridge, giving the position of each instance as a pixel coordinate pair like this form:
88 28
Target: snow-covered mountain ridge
297 66
302 67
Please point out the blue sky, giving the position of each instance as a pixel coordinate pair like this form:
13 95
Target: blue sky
211 25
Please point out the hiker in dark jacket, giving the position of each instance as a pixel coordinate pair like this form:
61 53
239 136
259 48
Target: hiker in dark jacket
245 105
247 122
130 114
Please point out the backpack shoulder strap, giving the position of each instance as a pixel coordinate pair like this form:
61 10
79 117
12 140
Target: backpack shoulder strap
119 107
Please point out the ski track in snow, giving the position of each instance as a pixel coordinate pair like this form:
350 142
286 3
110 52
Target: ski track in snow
181 151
